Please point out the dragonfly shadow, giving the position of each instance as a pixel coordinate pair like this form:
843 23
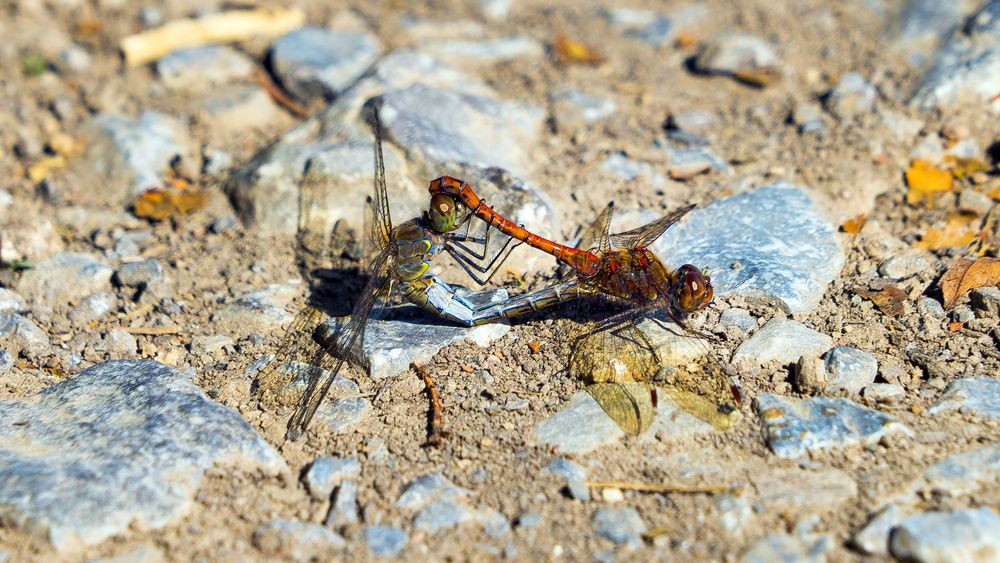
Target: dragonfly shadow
334 290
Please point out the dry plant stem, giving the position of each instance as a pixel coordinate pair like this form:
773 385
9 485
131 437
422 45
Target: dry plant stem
280 96
153 330
153 44
434 432
657 488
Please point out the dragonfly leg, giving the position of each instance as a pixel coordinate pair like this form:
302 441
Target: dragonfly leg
486 271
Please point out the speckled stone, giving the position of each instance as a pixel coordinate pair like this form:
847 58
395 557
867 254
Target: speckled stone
785 547
964 472
794 426
850 369
575 476
64 277
258 310
385 541
961 535
327 472
143 436
201 68
622 525
320 62
977 395
483 51
780 341
771 242
300 541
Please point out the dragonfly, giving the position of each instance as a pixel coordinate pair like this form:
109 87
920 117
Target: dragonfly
614 355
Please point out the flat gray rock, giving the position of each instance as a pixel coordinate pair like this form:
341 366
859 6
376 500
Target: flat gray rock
780 341
327 472
873 538
126 156
319 62
235 111
850 369
23 335
385 541
573 108
810 548
258 310
626 169
772 242
201 68
136 273
622 525
922 24
799 494
345 409
975 395
582 426
735 52
796 426
64 277
964 472
344 510
428 488
484 51
410 334
575 476
853 95
961 535
11 302
300 541
143 436
967 66
93 307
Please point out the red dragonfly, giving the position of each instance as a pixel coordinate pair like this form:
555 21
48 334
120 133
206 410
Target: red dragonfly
615 354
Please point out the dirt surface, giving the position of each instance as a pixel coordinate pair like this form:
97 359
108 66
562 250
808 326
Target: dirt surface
856 167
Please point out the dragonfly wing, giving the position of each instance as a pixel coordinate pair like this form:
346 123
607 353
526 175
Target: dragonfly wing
613 350
381 221
595 237
631 405
646 234
346 345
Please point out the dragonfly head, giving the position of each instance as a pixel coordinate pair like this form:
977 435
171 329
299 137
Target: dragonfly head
694 289
445 213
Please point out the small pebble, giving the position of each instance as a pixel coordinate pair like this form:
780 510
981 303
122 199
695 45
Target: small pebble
900 267
889 393
385 541
973 201
575 476
612 495
139 273
327 472
962 535
811 375
622 525
986 299
850 369
93 307
930 307
962 314
851 96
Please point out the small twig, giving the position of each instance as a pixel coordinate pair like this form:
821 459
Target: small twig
435 434
153 330
657 488
279 95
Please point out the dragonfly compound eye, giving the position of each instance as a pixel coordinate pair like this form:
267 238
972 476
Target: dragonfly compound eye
443 213
694 288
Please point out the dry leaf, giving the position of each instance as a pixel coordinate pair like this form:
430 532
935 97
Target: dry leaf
535 346
46 165
956 232
759 77
854 226
955 327
889 299
965 274
571 51
159 204
965 167
685 39
924 180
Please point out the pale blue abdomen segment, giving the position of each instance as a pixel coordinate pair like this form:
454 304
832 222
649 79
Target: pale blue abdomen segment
437 297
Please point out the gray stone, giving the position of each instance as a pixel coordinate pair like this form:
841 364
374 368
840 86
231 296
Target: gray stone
218 161
23 334
64 277
120 343
796 426
444 127
962 314
962 535
621 166
660 32
127 156
11 302
890 393
327 472
385 541
964 472
582 425
445 513
930 308
93 307
976 202
74 59
798 494
688 162
982 298
573 108
810 375
873 538
622 525
772 242
139 273
810 548
850 369
900 267
967 66
851 96
738 319
143 436
975 395
495 10
234 111
736 52
426 489
809 118
317 62
256 311
529 520
344 511
346 407
410 334
695 121
6 361
484 51
575 475
922 23
208 344
31 237
298 541
780 341
202 68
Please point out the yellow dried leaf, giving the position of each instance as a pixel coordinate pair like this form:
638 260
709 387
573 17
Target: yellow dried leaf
966 274
924 179
854 226
759 77
965 167
889 299
570 51
159 204
41 169
956 232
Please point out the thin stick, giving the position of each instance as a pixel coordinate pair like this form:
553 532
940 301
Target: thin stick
657 488
153 330
279 95
435 434
233 25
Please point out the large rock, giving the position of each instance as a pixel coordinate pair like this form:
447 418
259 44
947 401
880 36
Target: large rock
201 68
318 62
65 277
962 535
772 242
780 341
120 444
976 395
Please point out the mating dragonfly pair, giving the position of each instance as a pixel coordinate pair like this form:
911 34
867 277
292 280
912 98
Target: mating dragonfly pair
612 355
